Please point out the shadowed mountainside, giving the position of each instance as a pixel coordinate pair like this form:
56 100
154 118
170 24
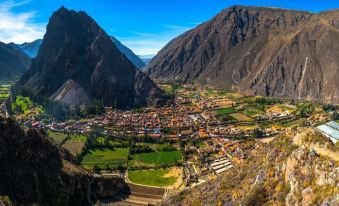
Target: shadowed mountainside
78 63
34 170
13 63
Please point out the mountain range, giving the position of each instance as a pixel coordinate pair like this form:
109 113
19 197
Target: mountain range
13 62
31 49
258 51
78 63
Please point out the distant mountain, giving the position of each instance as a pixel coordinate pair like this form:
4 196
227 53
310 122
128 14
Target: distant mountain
78 63
129 53
260 51
13 62
32 48
29 48
147 58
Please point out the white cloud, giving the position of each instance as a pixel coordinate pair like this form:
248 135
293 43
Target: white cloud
18 27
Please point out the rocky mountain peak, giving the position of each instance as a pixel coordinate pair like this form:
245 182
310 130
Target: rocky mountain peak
77 51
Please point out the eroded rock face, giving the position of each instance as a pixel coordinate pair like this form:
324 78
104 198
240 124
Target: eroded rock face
34 170
77 58
261 51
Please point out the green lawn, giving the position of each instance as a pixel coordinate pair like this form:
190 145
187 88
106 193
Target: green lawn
151 177
104 157
225 111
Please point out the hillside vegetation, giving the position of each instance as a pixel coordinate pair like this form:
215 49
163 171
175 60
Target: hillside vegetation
277 173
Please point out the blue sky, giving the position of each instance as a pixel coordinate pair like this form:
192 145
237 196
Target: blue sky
145 26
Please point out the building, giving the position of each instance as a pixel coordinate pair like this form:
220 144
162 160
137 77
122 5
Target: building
220 165
330 130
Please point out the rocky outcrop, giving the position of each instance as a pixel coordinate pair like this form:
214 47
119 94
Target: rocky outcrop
13 63
34 170
276 173
76 52
260 51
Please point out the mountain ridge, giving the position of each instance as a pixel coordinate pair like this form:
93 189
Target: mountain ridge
12 62
259 51
77 50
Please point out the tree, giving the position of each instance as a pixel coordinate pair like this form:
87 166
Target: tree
258 133
335 115
96 169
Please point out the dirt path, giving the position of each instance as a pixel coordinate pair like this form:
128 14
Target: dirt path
177 173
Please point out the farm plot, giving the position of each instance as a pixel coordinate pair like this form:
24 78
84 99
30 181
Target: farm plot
105 157
75 144
225 111
240 117
58 137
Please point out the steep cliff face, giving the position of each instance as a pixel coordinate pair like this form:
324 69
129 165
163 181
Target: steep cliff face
260 51
77 52
13 63
36 171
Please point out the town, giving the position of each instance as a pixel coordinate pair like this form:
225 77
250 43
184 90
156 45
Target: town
204 133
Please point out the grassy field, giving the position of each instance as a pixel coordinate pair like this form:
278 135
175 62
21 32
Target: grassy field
169 157
105 157
57 136
156 158
225 111
151 177
240 117
75 144
4 96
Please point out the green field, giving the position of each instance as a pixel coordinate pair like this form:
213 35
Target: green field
105 157
5 87
151 177
75 144
169 157
225 111
80 138
252 111
156 158
57 136
5 96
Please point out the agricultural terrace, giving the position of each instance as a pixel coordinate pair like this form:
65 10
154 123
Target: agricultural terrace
4 92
